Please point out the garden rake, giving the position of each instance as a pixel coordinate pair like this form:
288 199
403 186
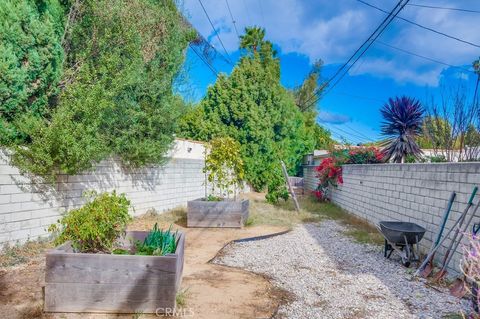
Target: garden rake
459 232
427 270
460 219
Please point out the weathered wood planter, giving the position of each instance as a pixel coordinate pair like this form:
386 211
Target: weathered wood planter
226 213
79 282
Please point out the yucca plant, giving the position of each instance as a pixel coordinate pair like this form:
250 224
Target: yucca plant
158 242
402 124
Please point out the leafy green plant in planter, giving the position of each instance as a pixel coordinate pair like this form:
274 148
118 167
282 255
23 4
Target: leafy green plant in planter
158 242
95 226
224 166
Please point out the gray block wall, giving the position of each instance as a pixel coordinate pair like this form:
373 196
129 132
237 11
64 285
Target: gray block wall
407 192
27 208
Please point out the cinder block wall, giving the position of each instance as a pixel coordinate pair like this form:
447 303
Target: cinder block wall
27 208
407 192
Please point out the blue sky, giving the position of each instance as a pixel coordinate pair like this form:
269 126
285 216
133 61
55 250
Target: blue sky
305 31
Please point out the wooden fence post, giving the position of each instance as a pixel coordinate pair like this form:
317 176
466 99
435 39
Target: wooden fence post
290 189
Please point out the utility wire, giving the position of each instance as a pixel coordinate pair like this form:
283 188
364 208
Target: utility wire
369 42
354 135
360 133
347 135
423 57
210 66
422 26
233 20
442 8
391 16
215 30
326 83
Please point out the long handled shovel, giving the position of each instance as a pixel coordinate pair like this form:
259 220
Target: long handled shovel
461 218
458 288
461 232
427 270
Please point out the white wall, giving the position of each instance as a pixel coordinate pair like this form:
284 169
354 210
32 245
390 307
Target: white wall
407 192
27 208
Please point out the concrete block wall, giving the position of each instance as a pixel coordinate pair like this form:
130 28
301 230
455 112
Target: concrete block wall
407 192
28 208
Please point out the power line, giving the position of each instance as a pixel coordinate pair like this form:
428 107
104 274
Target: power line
422 26
215 30
442 8
353 137
360 133
423 57
202 43
391 16
233 20
386 21
210 66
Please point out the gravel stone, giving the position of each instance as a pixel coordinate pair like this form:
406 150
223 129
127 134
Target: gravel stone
333 276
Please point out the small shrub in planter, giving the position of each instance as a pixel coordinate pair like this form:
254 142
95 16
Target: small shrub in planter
95 226
224 168
99 267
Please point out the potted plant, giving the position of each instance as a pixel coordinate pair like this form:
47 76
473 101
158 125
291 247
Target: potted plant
220 207
99 267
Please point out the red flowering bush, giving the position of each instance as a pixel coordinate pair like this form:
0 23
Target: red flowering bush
329 172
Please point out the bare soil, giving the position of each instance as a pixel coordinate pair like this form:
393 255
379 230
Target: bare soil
210 291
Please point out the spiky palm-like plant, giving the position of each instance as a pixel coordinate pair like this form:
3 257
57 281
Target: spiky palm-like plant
402 123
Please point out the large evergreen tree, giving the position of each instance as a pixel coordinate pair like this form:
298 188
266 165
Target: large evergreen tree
252 107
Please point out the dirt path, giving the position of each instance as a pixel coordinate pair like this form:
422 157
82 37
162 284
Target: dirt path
212 291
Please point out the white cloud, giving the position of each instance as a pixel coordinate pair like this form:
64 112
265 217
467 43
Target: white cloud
332 118
383 68
332 30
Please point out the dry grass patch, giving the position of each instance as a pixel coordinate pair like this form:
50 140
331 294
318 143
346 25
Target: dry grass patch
284 214
21 254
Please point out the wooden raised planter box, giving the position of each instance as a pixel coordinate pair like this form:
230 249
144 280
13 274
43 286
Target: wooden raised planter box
80 282
225 213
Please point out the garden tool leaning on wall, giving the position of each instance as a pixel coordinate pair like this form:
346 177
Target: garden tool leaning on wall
460 232
454 227
425 272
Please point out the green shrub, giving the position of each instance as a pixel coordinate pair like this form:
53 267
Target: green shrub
96 226
31 59
107 92
437 159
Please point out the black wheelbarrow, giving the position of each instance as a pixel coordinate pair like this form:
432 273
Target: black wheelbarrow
402 238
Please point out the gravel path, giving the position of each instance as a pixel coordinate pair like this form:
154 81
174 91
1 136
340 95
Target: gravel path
332 276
